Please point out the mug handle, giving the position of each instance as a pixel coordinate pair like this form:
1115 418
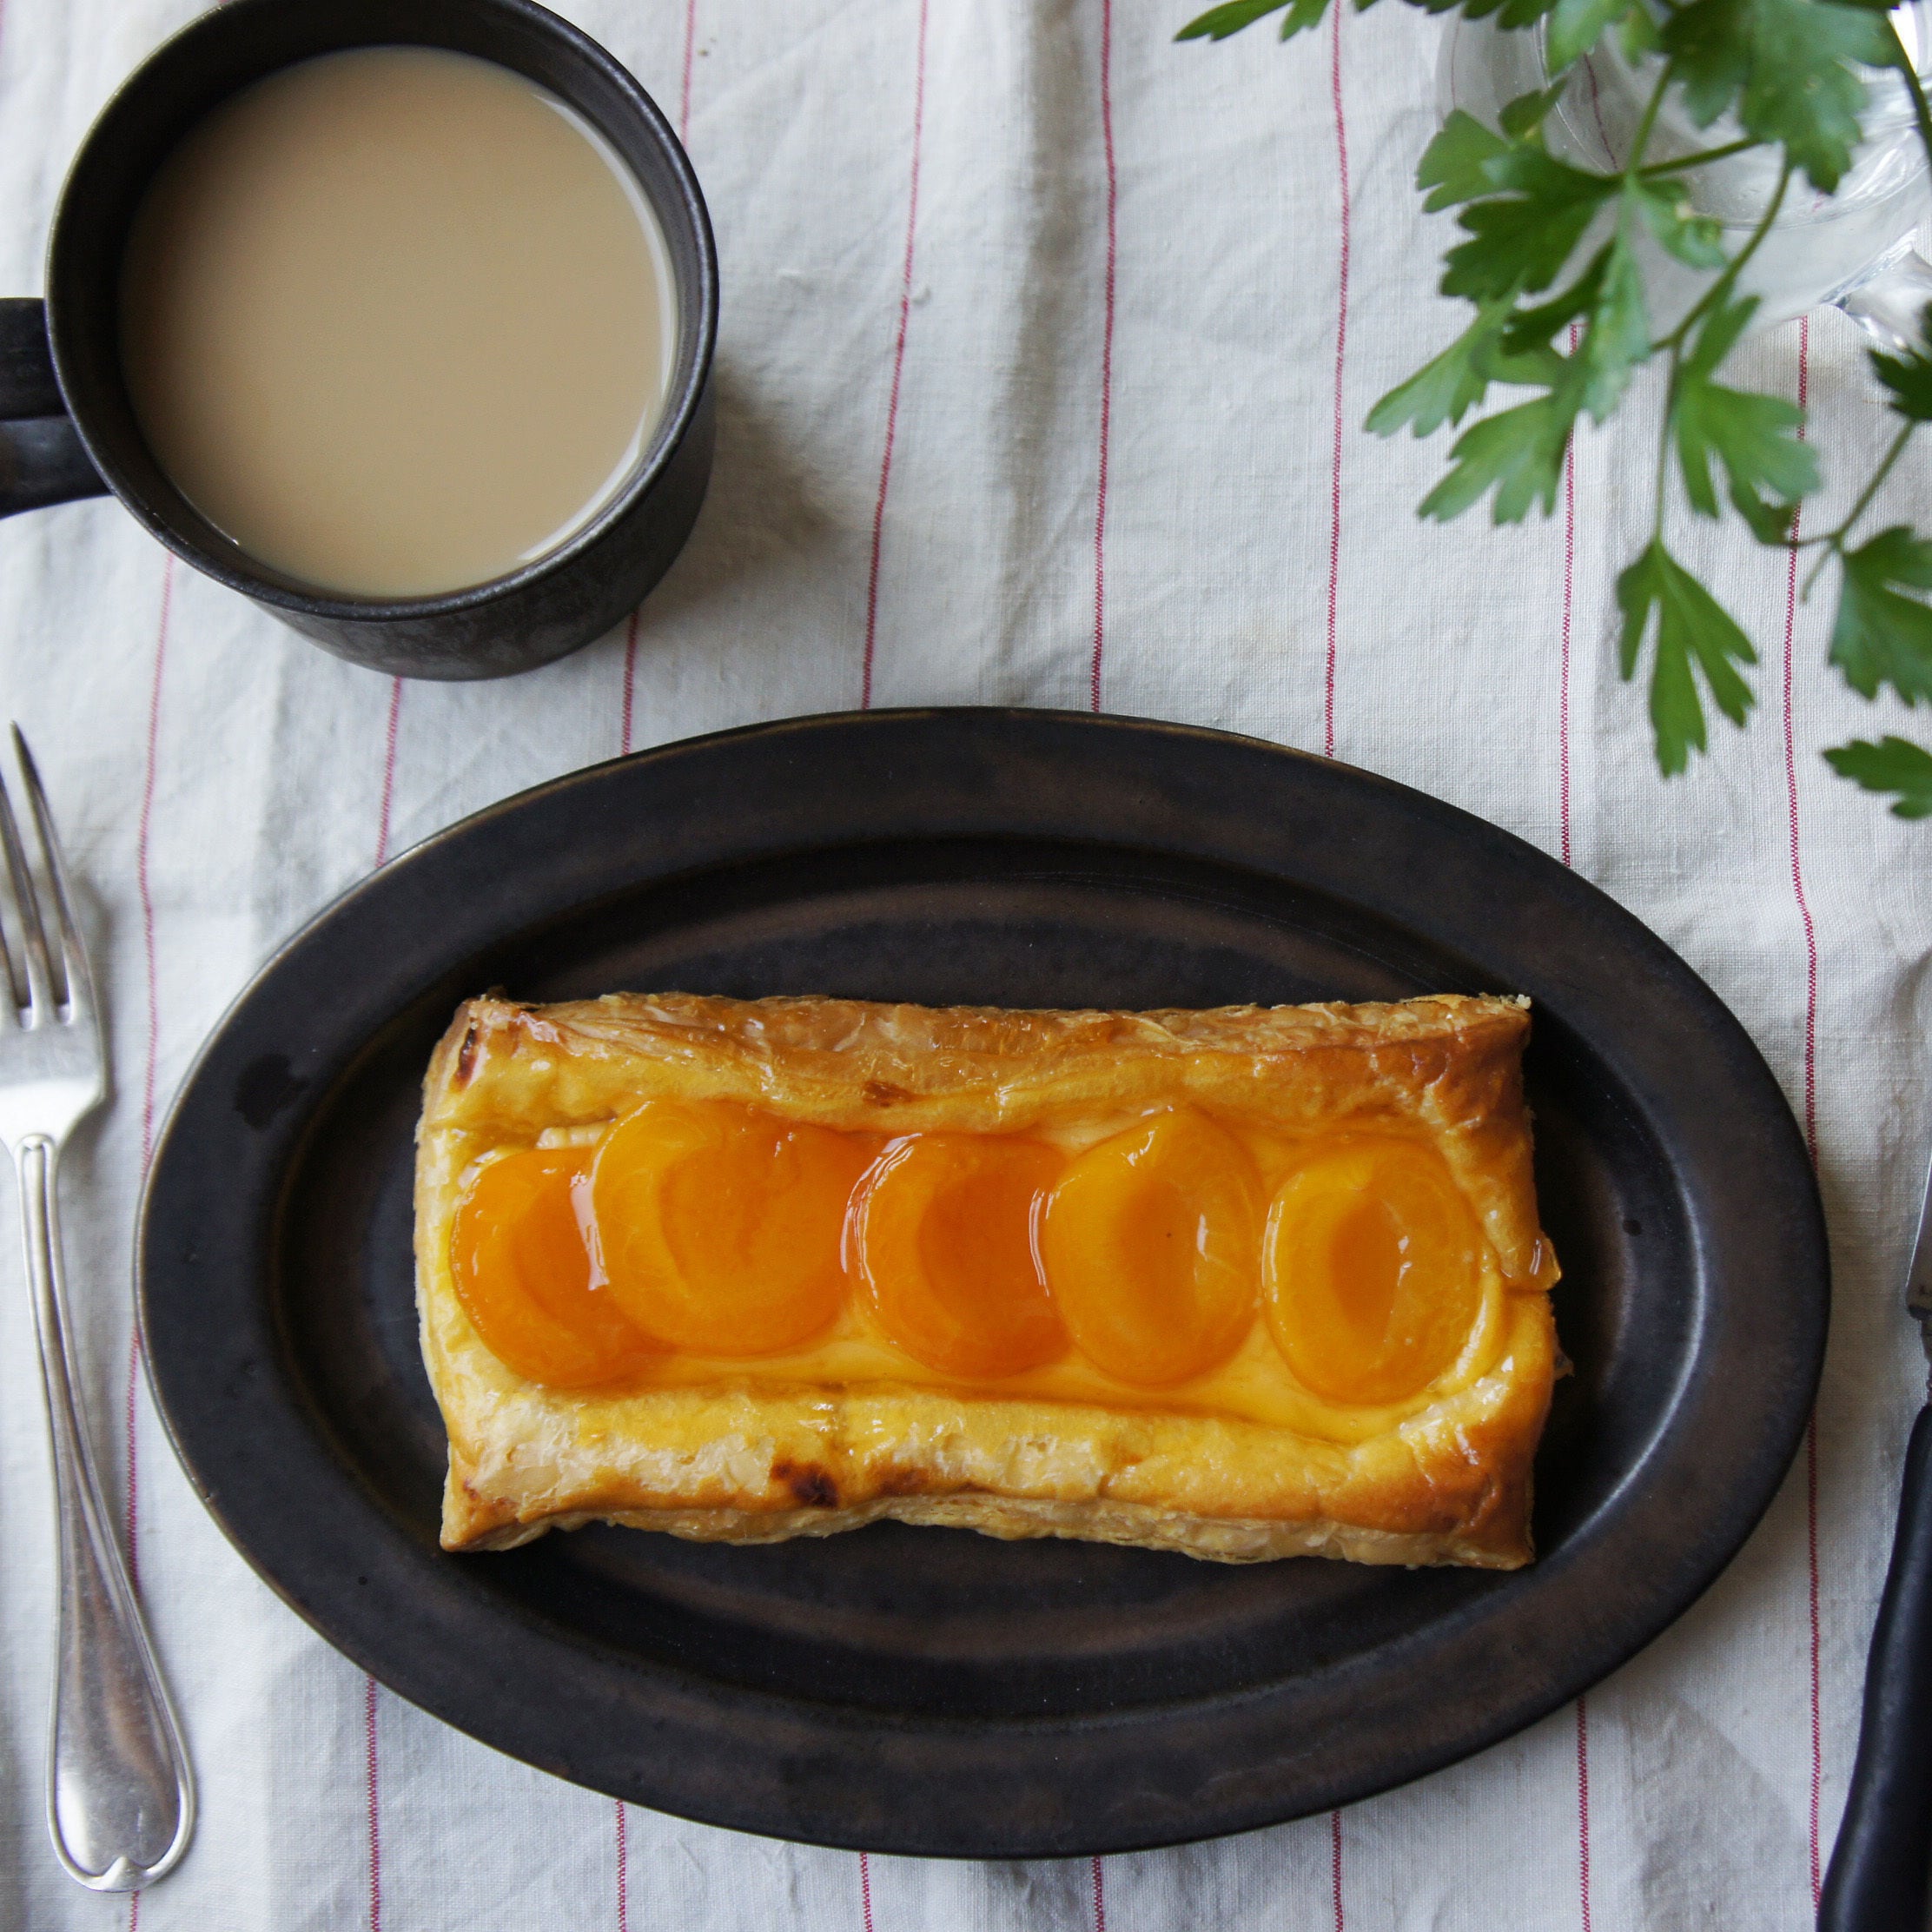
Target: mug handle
41 459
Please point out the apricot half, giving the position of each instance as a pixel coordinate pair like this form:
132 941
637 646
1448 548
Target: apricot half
527 1274
943 1244
1371 1271
1151 1241
721 1224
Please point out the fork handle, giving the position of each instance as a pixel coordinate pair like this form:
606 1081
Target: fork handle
120 1798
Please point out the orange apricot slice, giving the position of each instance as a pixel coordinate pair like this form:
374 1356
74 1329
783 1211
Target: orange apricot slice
721 1224
943 1249
1151 1241
528 1277
1370 1271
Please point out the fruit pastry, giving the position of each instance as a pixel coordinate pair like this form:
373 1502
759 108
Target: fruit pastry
1247 1282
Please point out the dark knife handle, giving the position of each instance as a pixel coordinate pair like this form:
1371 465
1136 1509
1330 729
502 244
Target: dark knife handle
1877 1879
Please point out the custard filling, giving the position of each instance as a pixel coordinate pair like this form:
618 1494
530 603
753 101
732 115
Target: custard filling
1176 1262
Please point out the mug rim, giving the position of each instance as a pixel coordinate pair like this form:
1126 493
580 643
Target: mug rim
675 420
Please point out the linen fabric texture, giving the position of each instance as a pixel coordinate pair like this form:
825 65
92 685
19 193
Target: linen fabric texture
1046 346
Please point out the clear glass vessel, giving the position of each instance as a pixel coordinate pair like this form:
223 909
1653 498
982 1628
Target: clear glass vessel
1855 248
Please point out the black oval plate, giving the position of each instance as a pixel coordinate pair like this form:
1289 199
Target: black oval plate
935 1691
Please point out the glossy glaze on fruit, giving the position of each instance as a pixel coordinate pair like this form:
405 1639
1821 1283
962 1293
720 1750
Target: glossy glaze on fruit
1141 1265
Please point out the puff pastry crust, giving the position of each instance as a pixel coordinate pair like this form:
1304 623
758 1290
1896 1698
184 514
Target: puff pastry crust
832 1438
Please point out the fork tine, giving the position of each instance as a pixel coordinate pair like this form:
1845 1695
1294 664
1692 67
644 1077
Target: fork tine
77 987
13 983
17 993
16 891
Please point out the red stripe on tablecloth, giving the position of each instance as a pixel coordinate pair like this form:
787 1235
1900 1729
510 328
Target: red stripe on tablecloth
1335 1863
684 136
623 1872
1568 587
1791 798
368 1683
150 1071
134 1475
140 866
691 47
1106 343
375 1818
1563 812
1817 1707
388 771
1100 1899
1334 576
630 678
1328 675
899 365
1341 350
1810 1121
865 1888
1583 1809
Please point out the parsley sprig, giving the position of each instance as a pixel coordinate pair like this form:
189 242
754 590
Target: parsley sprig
1552 258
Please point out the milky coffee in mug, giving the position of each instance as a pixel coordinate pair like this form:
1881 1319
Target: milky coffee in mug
396 320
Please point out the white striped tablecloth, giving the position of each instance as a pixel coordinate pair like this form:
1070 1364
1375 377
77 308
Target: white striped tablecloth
1045 347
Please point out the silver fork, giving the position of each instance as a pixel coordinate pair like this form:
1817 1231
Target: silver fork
119 1796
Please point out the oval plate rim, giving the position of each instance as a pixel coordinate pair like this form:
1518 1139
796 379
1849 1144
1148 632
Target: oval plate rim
407 1616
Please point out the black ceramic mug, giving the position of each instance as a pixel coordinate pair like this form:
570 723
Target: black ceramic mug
68 428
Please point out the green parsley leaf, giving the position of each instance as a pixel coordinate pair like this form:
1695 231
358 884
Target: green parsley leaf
1787 66
1447 386
1529 330
1518 453
1528 167
1637 34
1770 523
1893 764
1719 334
1453 163
1664 205
1521 240
1909 376
1617 337
1882 636
1803 90
1754 437
1522 13
1521 117
1610 292
1709 45
1577 25
1444 389
1694 634
1218 22
1304 13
